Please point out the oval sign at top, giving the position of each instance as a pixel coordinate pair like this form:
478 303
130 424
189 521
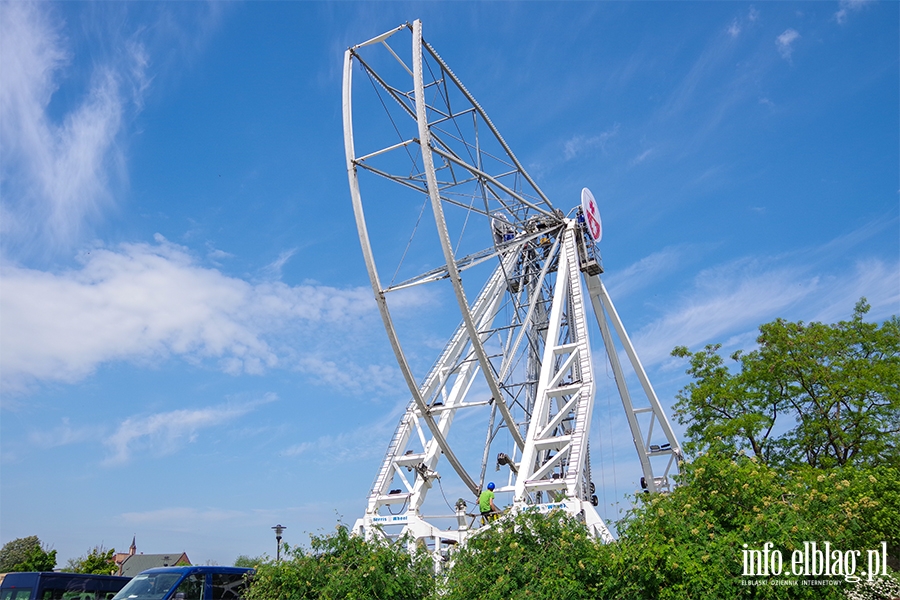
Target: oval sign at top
591 214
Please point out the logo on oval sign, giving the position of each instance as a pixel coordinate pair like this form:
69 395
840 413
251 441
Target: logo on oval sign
591 214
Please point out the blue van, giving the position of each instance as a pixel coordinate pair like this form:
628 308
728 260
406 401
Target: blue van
187 583
59 586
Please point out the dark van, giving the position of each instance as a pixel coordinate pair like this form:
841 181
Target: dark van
59 586
187 583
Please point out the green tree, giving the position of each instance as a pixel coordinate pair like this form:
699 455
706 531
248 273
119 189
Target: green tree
251 562
26 554
531 556
346 567
836 386
98 561
15 551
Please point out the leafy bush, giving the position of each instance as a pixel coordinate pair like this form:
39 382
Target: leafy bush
689 544
528 556
346 567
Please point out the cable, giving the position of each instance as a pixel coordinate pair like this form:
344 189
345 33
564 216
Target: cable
409 243
612 446
402 507
441 487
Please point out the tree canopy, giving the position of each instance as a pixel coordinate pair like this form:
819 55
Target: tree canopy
250 562
26 554
823 395
688 544
98 561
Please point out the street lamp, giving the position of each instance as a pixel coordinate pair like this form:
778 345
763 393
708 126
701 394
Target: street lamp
278 530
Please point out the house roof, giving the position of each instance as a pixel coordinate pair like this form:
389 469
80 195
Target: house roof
141 562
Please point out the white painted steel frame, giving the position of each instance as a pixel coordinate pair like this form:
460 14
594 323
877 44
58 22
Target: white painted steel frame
555 441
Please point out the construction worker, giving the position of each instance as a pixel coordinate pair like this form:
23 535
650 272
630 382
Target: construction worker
486 504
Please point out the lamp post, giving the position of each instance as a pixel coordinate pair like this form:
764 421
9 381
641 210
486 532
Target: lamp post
278 530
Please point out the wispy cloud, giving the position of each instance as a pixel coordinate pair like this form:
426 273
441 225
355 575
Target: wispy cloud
165 432
273 269
785 43
727 302
737 24
363 442
848 6
725 299
142 302
57 173
65 434
216 255
645 271
579 144
178 516
642 157
351 377
187 519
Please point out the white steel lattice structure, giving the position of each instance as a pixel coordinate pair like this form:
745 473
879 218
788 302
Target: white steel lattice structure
517 371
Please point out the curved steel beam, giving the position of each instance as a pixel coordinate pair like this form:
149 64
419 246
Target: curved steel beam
376 284
446 244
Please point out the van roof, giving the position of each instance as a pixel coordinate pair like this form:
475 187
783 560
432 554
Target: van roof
199 569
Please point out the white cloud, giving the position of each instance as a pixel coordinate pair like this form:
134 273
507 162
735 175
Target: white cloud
848 6
57 174
141 302
785 41
734 29
163 433
216 256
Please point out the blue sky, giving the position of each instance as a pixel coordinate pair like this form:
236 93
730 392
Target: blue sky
189 350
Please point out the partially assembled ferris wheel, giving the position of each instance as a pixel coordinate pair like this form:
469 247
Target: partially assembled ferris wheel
447 212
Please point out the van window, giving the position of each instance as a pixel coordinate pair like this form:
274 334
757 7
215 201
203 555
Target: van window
191 588
152 586
58 594
228 586
16 594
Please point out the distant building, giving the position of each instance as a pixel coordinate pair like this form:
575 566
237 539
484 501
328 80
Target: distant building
123 556
132 563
